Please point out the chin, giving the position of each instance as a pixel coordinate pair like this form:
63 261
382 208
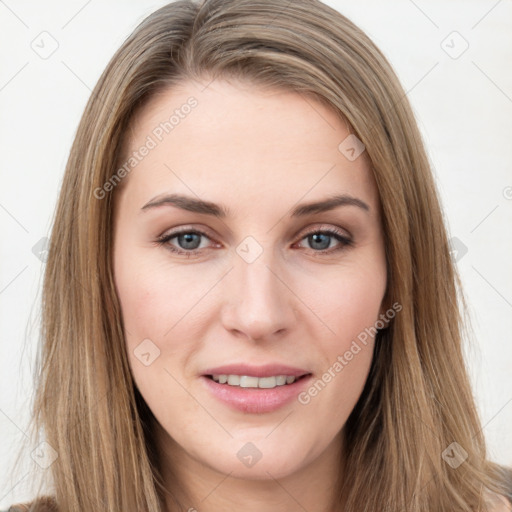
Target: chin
260 459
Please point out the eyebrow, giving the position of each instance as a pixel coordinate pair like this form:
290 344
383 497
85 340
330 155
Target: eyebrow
192 204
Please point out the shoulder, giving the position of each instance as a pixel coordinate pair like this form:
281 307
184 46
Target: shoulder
39 504
44 504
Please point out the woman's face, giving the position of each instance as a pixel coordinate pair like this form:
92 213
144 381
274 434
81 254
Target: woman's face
250 282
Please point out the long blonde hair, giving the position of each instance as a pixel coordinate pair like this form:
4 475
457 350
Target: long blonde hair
417 400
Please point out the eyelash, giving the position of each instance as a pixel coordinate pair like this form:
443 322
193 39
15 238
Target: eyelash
345 241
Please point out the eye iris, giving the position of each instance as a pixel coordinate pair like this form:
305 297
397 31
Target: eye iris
188 239
317 238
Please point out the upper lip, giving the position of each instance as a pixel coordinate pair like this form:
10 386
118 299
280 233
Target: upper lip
268 370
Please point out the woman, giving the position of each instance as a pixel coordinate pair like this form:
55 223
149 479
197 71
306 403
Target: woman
256 367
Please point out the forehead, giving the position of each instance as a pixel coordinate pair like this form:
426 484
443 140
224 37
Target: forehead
239 143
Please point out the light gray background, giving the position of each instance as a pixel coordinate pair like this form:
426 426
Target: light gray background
463 106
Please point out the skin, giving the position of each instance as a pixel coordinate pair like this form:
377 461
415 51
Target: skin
260 153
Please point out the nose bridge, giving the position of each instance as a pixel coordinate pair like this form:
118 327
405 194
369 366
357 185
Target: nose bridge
259 303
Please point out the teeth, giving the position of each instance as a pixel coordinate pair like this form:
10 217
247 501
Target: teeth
234 380
247 381
281 380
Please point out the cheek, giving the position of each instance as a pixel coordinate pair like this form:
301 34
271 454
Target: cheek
151 306
139 289
160 304
347 300
349 306
153 297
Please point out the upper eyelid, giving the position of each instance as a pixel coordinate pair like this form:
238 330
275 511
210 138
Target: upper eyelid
203 230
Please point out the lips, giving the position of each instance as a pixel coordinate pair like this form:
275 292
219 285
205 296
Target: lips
251 389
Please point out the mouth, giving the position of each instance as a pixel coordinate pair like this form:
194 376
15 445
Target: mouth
255 390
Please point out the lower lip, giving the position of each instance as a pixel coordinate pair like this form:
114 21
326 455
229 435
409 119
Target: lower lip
256 400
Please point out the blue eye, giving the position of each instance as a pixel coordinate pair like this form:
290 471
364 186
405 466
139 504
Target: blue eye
189 241
318 239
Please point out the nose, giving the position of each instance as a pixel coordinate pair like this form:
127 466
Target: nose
259 304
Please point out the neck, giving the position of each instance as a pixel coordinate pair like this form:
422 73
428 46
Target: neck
194 487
